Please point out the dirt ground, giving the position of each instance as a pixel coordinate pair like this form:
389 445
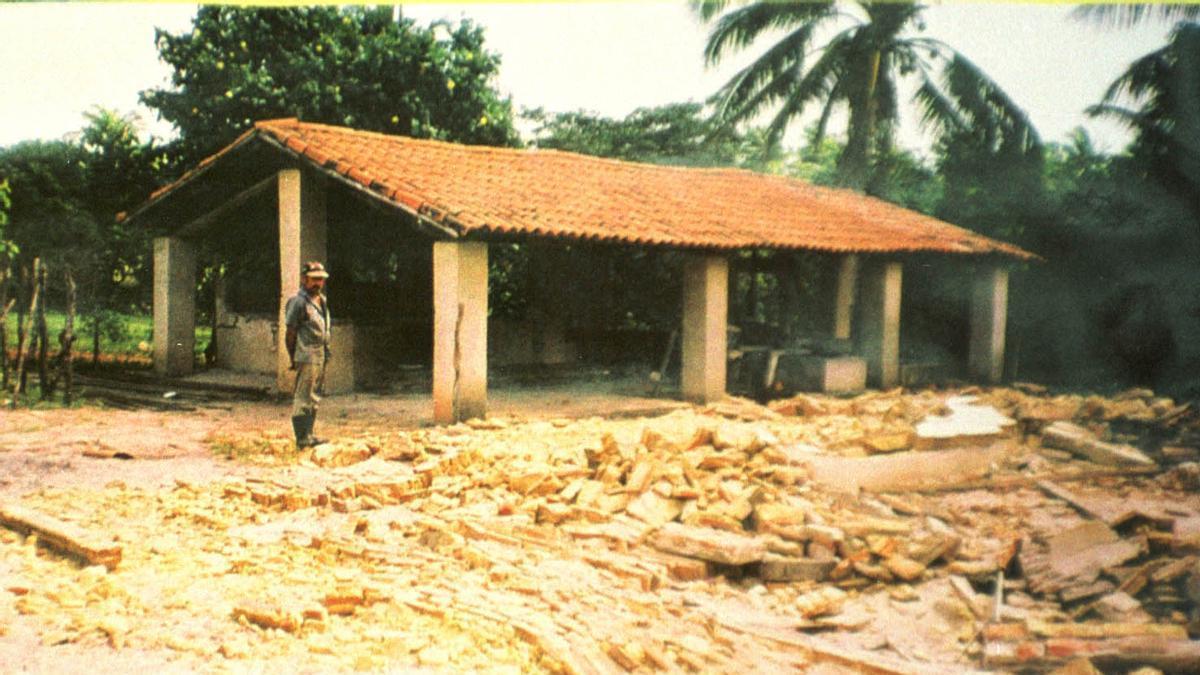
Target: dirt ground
405 546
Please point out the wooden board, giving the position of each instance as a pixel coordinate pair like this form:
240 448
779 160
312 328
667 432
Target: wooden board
62 536
708 544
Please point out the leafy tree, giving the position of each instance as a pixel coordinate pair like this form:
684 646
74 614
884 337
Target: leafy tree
1148 239
351 66
992 188
859 67
119 172
676 133
65 198
904 178
48 215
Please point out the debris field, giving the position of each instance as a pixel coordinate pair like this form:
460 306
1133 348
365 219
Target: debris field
893 532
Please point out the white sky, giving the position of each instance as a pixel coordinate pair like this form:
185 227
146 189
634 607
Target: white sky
609 58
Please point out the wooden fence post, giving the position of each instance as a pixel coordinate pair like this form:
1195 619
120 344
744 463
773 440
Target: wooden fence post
5 305
67 340
19 380
43 341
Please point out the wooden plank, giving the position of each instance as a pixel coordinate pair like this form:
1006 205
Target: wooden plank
1079 441
1087 549
1173 570
962 588
1096 631
1014 482
708 544
1059 492
65 537
1078 592
1171 655
783 568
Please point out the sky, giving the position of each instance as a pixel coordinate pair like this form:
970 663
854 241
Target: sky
609 58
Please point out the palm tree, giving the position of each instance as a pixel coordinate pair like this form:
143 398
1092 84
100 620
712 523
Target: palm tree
1158 97
859 67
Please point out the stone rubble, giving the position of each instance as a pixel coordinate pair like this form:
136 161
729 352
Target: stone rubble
702 540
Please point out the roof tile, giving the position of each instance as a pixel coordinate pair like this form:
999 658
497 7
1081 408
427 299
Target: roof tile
485 190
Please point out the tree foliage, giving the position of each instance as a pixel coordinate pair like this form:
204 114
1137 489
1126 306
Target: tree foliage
65 198
859 68
119 172
49 215
1158 98
676 133
1131 14
8 248
351 66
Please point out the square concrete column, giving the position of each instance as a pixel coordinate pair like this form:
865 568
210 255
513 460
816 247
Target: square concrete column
705 315
174 306
989 314
847 288
301 238
879 322
460 309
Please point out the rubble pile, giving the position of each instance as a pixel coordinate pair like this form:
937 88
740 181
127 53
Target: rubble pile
1006 528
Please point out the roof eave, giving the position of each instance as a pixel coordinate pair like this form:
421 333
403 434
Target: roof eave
203 168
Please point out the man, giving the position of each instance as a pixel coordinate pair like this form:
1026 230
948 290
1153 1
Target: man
308 331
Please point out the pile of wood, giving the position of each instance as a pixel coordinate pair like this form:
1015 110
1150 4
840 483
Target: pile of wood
1113 647
1152 571
138 391
731 498
704 539
1089 426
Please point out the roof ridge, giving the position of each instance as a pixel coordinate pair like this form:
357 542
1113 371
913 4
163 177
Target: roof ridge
294 123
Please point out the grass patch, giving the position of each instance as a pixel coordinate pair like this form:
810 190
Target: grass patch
32 399
133 334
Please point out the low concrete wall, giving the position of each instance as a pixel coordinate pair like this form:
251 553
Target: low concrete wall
363 354
246 343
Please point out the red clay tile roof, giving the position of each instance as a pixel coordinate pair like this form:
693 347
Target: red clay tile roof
477 190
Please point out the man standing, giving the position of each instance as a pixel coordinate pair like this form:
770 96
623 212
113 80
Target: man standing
308 331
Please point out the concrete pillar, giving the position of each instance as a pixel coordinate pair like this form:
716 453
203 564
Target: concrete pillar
989 314
879 322
174 306
847 287
460 309
301 238
705 315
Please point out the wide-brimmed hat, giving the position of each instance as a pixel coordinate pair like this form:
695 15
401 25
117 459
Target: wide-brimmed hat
314 269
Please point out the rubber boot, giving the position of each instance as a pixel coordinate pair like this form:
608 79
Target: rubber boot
313 440
299 428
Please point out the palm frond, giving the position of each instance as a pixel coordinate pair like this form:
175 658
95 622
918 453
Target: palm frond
938 112
786 55
823 121
1127 116
738 28
707 9
1128 15
1140 77
795 85
986 106
790 109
